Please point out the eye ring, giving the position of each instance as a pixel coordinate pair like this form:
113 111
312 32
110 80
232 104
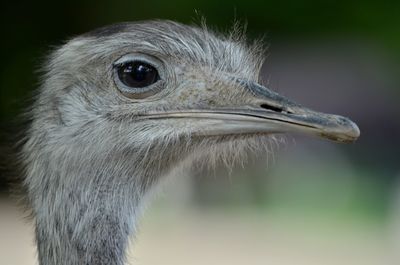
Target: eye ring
138 76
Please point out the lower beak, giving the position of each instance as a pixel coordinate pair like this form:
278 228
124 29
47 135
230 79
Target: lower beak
270 113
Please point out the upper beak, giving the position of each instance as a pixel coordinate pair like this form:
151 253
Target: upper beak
269 112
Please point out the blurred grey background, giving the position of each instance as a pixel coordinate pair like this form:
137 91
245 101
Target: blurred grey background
313 202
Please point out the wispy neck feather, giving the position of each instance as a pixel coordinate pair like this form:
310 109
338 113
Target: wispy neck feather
86 199
85 204
83 219
98 234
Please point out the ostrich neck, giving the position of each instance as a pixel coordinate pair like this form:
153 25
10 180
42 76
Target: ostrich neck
87 215
86 204
83 228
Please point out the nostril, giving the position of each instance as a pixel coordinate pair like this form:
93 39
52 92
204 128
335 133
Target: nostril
273 108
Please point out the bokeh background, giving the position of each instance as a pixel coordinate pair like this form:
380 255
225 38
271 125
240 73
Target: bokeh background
314 202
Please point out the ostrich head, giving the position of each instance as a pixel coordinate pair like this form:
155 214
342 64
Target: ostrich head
122 106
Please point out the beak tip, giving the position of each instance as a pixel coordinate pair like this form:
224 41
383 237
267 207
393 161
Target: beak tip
353 132
346 132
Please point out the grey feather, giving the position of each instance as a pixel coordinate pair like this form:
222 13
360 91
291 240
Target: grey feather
88 164
96 147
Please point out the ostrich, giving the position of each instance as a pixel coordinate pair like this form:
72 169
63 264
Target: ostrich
121 107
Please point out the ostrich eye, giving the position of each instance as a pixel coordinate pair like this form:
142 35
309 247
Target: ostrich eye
137 74
138 77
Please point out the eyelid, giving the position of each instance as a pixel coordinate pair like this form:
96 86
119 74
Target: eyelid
119 64
131 57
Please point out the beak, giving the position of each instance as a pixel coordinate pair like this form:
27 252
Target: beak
269 112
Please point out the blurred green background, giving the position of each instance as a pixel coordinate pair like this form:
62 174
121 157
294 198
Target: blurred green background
335 56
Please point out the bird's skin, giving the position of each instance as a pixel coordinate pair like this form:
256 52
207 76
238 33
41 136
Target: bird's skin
122 106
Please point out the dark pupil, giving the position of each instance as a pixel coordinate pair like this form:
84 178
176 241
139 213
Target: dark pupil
137 74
